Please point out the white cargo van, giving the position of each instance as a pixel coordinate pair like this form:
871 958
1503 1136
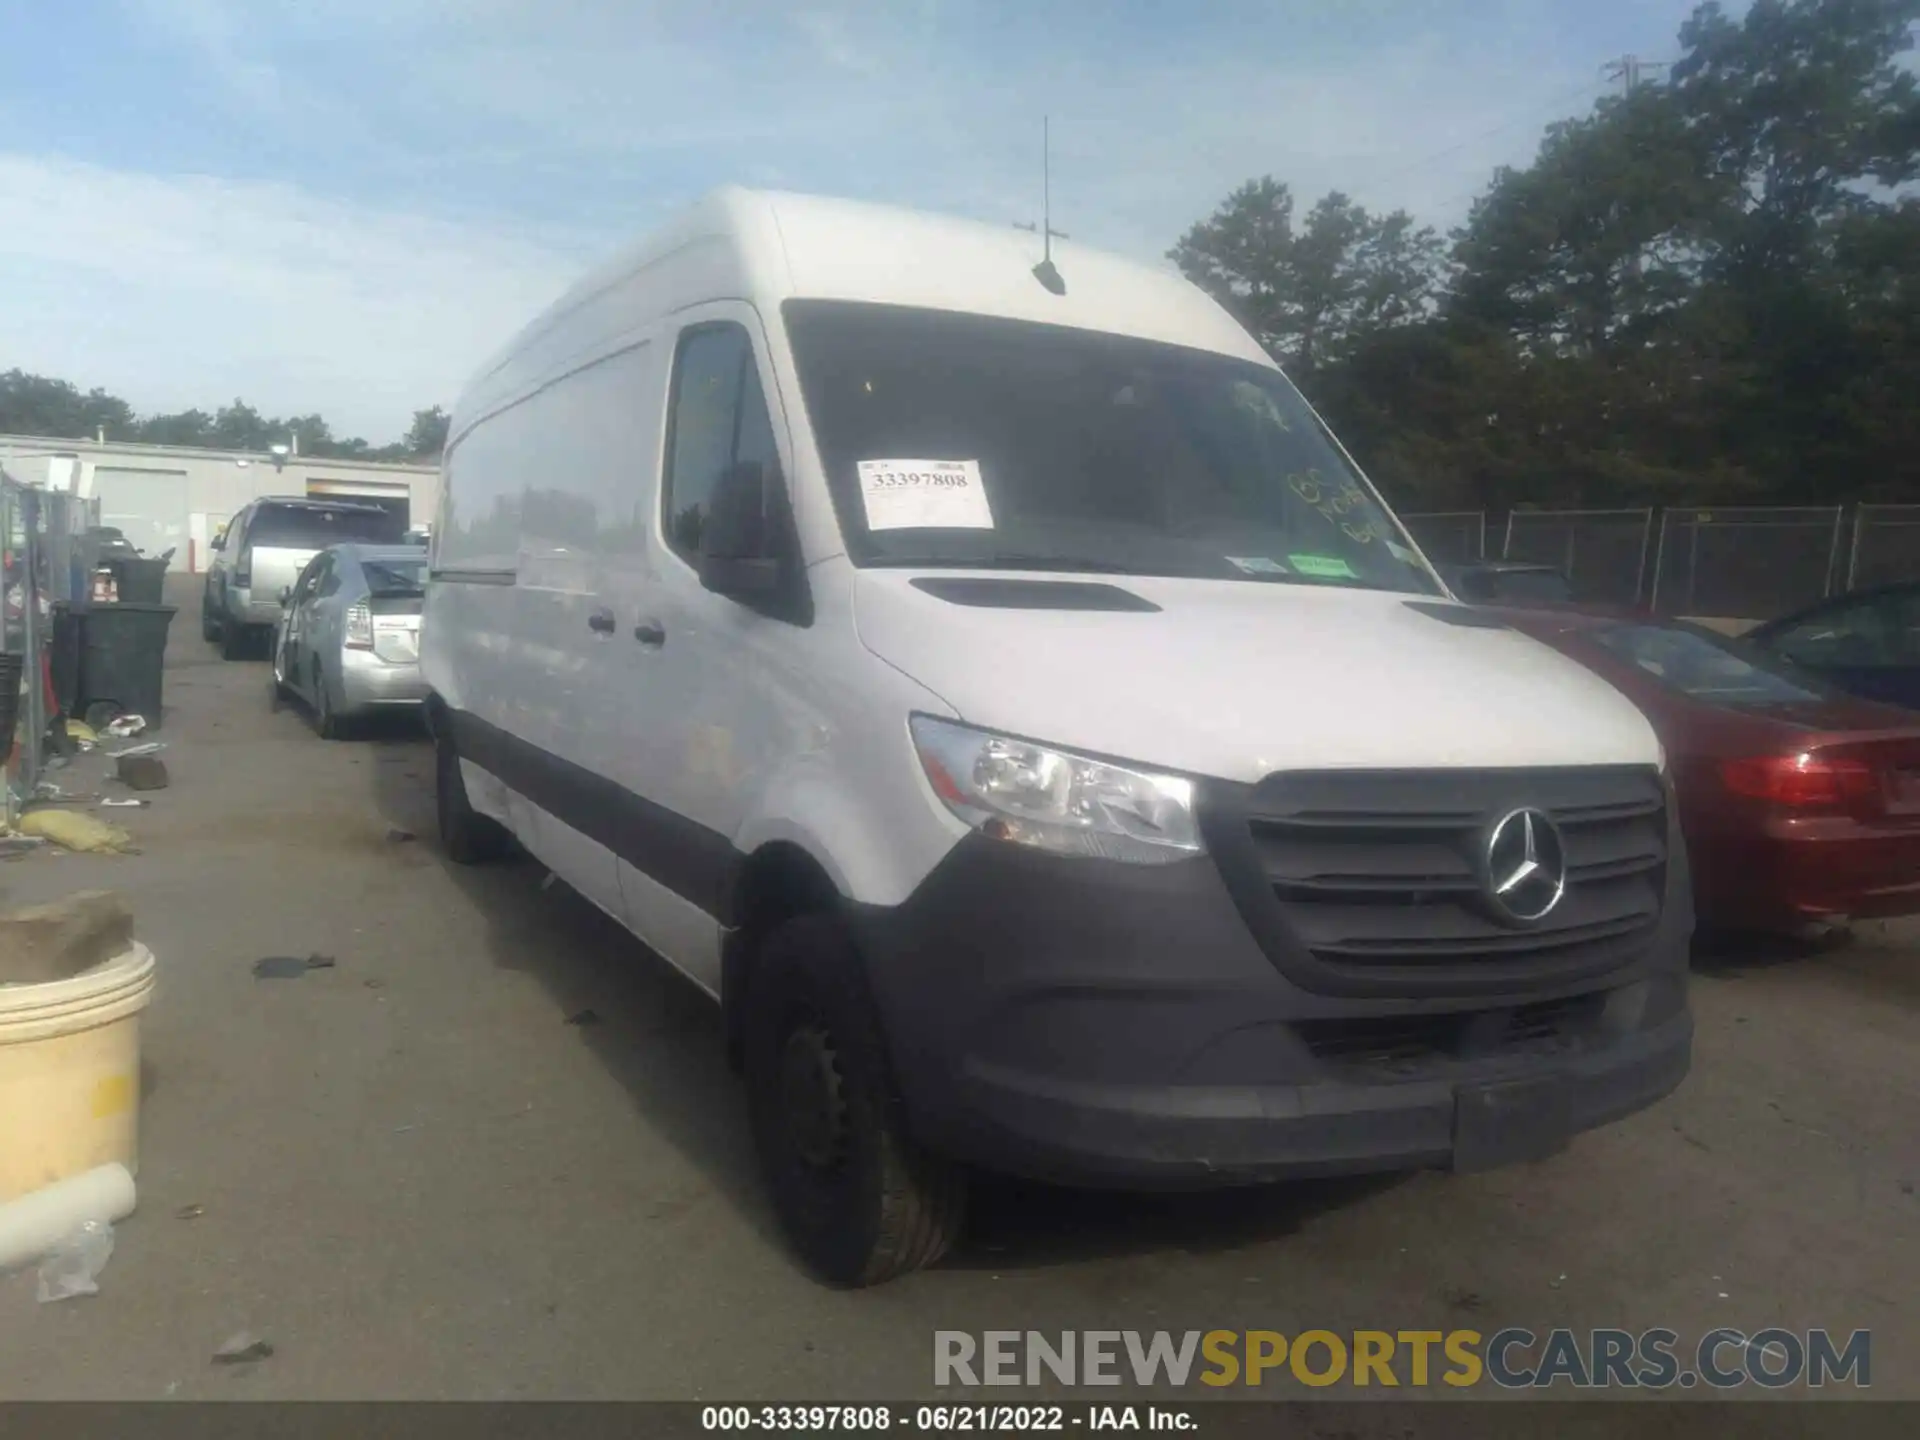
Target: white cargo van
1007 699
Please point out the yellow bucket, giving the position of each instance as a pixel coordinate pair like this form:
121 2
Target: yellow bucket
70 1073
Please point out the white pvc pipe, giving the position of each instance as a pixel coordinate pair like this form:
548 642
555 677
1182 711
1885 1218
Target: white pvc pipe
34 1224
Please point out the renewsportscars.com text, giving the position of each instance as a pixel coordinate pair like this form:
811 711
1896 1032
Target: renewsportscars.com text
1511 1358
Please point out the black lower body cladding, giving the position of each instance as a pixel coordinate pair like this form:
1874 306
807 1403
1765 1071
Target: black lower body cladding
1120 1025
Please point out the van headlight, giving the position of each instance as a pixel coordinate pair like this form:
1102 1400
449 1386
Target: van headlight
1055 800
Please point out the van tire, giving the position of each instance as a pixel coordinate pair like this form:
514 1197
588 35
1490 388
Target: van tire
209 622
859 1201
468 837
233 640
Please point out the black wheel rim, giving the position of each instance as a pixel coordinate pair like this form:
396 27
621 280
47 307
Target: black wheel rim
813 1098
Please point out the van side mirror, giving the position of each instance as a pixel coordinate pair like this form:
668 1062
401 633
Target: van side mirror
219 542
739 550
286 594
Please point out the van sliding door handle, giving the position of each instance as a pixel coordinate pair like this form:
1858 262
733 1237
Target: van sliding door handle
601 622
650 633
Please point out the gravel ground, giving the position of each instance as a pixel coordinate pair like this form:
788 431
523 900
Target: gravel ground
418 1180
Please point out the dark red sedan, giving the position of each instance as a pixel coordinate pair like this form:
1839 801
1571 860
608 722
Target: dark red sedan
1800 804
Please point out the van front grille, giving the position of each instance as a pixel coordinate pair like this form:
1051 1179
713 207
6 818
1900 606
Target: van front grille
1410 1046
1376 881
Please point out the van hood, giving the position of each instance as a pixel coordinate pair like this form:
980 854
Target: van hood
1237 680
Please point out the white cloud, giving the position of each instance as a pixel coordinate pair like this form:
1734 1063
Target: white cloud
178 291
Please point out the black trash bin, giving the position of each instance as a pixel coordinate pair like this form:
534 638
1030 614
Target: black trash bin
141 581
123 649
12 666
63 658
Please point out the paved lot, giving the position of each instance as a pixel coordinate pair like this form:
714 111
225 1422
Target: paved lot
420 1181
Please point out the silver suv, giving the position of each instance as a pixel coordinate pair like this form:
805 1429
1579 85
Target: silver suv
263 552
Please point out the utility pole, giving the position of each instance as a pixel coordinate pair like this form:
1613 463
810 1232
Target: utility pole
1628 71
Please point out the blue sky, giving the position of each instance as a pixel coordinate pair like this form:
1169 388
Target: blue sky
343 205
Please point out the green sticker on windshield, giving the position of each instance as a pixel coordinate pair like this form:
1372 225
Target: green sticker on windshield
1324 567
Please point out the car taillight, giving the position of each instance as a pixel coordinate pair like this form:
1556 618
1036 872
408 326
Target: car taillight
359 626
1806 781
243 569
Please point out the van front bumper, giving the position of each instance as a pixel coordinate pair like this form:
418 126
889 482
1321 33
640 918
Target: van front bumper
1097 1023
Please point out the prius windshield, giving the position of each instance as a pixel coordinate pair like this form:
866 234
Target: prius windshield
968 441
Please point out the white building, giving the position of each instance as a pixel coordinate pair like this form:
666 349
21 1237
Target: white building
176 497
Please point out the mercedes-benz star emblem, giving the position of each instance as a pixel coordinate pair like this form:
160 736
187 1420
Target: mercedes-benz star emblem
1526 865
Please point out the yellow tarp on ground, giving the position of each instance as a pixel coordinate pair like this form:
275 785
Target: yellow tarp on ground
73 831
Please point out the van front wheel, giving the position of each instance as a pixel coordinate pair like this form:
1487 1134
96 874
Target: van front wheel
858 1200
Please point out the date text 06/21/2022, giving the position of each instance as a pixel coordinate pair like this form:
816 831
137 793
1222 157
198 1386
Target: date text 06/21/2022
942 1419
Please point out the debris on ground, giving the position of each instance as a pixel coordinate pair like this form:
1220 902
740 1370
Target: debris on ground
12 847
82 732
72 831
289 967
584 1017
242 1349
189 1212
397 836
142 772
67 1229
152 747
124 727
123 804
73 1267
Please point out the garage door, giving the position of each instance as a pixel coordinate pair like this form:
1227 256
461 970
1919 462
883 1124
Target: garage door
148 506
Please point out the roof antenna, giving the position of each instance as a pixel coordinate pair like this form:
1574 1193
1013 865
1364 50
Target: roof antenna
1046 272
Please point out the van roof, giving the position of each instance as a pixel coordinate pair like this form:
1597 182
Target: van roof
766 247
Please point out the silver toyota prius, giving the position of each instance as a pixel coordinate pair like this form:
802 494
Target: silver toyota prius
348 639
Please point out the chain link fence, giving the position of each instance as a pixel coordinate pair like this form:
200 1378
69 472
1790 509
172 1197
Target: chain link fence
1743 562
1451 537
1886 545
1603 553
1750 563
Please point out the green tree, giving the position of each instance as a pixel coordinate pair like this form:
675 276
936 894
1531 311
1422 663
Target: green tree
39 405
427 436
1307 292
188 427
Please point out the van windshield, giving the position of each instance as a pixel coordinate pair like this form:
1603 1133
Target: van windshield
972 441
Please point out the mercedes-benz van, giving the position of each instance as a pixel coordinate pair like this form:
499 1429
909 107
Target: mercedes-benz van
994 685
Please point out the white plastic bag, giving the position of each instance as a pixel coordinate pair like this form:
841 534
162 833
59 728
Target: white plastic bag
73 1266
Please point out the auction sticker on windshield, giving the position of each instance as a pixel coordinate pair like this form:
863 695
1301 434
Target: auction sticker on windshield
924 495
1256 565
1323 567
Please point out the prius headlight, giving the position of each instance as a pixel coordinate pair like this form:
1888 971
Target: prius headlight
1055 800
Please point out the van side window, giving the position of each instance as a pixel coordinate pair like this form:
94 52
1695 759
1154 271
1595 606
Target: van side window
719 420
